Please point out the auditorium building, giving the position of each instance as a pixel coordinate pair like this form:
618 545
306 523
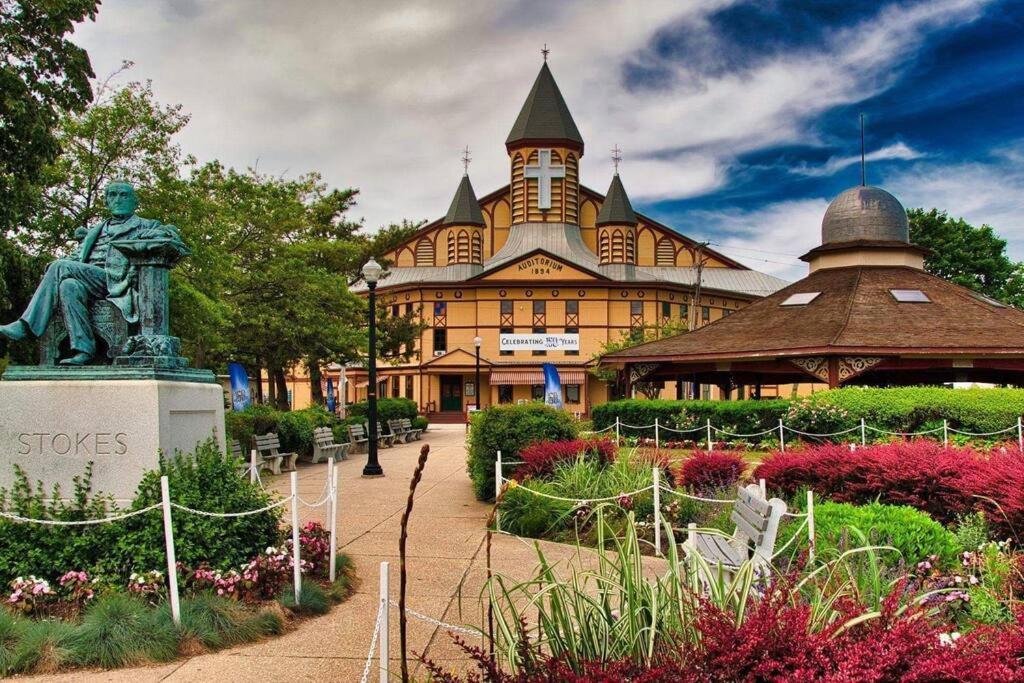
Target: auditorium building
545 270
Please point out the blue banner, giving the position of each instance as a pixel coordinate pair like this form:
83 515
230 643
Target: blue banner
330 394
552 386
241 397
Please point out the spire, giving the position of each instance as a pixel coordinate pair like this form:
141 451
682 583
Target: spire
465 209
544 116
616 209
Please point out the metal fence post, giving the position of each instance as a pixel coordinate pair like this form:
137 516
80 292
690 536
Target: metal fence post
253 467
656 478
497 490
296 549
863 433
1020 434
810 526
709 435
172 562
618 439
782 437
332 473
945 432
385 607
657 436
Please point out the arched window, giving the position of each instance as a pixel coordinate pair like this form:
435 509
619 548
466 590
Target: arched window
424 252
463 247
604 248
618 247
478 247
630 246
665 252
451 247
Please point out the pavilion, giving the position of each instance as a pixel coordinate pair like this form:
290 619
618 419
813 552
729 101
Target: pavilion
866 314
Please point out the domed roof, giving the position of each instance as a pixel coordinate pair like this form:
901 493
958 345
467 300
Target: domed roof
865 213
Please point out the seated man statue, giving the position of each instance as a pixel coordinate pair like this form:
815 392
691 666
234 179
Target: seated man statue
95 271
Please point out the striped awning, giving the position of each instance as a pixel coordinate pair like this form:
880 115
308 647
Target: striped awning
535 376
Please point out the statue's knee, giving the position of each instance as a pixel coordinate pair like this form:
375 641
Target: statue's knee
71 289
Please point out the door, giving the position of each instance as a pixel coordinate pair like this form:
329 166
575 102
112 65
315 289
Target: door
451 393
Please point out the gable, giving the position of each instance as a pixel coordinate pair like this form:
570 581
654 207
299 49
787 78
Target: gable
539 265
455 358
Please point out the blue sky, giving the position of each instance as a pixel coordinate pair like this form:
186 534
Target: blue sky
739 119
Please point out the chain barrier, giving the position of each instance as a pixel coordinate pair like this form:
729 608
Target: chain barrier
742 436
435 622
882 431
797 431
803 525
81 522
587 501
204 513
1001 431
373 645
722 501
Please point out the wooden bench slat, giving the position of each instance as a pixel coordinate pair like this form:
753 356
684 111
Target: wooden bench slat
759 504
747 529
756 520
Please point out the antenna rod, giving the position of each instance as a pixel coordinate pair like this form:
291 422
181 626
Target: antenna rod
863 170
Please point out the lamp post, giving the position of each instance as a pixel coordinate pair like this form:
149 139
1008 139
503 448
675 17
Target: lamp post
371 272
477 341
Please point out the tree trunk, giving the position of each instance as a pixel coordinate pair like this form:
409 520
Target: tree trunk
282 389
259 383
316 391
271 388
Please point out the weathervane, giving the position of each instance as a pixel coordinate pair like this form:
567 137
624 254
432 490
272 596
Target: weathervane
616 158
465 160
545 52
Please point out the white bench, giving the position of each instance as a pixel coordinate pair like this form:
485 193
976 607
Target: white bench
757 528
324 446
268 447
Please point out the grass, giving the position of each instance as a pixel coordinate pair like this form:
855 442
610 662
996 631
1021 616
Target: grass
313 599
120 630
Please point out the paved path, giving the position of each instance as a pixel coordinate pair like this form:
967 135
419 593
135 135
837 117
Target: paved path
445 553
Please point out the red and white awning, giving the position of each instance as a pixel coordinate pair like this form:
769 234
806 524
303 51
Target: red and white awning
535 376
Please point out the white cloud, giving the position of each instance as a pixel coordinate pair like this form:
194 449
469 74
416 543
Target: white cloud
383 96
895 151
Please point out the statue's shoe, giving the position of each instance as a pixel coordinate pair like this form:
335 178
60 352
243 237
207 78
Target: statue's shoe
15 331
80 358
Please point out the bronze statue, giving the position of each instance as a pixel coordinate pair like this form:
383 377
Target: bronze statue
103 267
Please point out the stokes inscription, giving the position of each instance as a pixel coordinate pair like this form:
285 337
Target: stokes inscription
59 443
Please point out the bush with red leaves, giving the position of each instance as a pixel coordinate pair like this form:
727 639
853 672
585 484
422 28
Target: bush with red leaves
944 482
704 472
539 459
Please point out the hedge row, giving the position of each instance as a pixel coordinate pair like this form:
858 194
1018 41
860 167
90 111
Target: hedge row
903 409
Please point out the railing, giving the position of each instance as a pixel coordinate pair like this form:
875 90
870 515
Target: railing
708 430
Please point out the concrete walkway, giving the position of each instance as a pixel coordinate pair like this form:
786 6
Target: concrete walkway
445 555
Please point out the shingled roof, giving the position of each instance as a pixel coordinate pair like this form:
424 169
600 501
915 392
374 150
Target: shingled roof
616 209
854 312
465 209
544 116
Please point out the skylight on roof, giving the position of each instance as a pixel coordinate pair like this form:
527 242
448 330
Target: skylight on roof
910 296
801 299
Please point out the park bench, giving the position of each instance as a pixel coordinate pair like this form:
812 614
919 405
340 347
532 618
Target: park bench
400 435
757 528
406 424
268 447
357 436
386 440
324 446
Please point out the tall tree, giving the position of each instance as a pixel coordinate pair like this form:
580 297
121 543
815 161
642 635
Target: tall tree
973 257
42 76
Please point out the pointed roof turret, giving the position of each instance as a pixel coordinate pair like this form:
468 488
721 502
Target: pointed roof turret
465 209
544 117
616 209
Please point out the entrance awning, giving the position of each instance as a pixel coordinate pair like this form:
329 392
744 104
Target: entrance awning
568 376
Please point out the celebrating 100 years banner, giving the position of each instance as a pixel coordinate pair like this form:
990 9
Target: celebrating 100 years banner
539 342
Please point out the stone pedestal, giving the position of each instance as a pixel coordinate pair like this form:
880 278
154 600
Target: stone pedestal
52 428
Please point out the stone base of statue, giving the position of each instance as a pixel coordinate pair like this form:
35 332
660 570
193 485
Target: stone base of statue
118 418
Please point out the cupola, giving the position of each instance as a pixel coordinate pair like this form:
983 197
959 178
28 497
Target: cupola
464 226
616 226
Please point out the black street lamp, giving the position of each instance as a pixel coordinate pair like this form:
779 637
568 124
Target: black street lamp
371 272
477 341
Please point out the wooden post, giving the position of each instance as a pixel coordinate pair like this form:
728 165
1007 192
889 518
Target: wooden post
172 562
253 466
764 488
657 436
810 526
296 549
709 435
385 607
656 478
332 473
618 442
1020 434
945 432
497 490
863 433
782 437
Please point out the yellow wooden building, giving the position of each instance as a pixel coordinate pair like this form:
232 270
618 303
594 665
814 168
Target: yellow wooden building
543 255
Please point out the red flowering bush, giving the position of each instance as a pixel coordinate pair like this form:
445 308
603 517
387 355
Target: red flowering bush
704 472
315 547
944 482
539 459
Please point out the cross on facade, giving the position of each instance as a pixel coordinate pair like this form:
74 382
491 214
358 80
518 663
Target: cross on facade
544 172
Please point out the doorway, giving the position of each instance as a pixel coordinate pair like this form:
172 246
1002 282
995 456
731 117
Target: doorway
451 393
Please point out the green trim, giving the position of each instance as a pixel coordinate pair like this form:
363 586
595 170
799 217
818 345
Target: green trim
21 373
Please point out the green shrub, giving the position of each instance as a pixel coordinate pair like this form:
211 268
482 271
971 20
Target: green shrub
740 417
510 429
208 481
11 628
312 600
44 646
972 531
420 422
387 409
217 622
256 419
294 427
49 551
912 532
119 630
525 514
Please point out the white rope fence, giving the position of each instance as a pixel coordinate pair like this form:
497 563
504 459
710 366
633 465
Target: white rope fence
709 430
166 505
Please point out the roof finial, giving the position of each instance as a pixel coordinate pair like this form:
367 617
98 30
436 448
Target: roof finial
863 166
616 158
465 160
544 51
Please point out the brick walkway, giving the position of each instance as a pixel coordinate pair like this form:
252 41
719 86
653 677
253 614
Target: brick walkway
445 550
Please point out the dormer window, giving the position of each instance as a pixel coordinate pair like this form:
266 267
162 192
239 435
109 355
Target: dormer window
801 299
910 296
